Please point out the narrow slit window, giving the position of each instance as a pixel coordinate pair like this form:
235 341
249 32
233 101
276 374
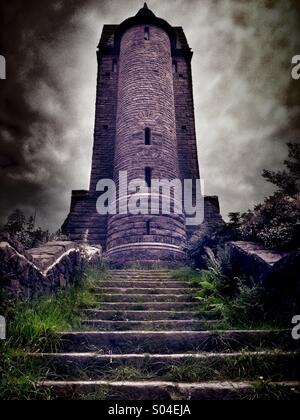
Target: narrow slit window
147 136
148 228
148 175
175 67
147 33
183 128
115 66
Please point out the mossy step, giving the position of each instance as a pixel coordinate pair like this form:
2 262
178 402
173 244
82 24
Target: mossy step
138 271
141 276
148 273
169 391
144 298
168 342
144 284
162 325
185 367
144 291
150 306
148 315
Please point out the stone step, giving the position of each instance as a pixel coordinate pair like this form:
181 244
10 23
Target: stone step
139 271
167 342
146 274
142 298
148 315
139 275
145 284
154 306
143 278
142 291
185 366
163 325
167 391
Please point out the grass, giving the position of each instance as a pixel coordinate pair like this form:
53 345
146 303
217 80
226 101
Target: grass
249 367
129 373
185 274
265 391
238 303
245 366
100 394
34 326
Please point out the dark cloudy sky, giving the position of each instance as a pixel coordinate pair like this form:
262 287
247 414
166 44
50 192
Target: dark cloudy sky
247 106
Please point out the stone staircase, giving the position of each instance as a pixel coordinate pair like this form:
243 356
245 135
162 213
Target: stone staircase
148 340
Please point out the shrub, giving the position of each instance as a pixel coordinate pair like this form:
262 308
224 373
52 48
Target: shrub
24 232
241 302
209 236
276 222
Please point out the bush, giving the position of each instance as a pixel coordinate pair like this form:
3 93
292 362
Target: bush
241 302
209 236
276 223
24 232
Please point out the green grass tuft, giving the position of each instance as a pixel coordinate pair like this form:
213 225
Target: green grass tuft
34 326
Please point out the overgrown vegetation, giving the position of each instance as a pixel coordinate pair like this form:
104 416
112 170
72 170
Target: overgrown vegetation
34 326
276 222
240 302
24 231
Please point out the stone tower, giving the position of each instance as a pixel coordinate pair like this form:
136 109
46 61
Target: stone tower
145 126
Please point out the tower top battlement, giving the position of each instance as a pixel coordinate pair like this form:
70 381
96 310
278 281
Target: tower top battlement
112 34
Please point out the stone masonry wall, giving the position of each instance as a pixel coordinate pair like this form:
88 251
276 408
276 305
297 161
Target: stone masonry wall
84 221
146 100
105 120
263 265
25 274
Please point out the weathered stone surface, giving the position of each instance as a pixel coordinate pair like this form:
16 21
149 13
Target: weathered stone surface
40 270
262 264
287 268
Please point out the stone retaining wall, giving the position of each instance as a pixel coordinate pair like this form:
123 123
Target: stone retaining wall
264 265
25 274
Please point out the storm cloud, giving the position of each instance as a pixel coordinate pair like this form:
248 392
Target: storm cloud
246 103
